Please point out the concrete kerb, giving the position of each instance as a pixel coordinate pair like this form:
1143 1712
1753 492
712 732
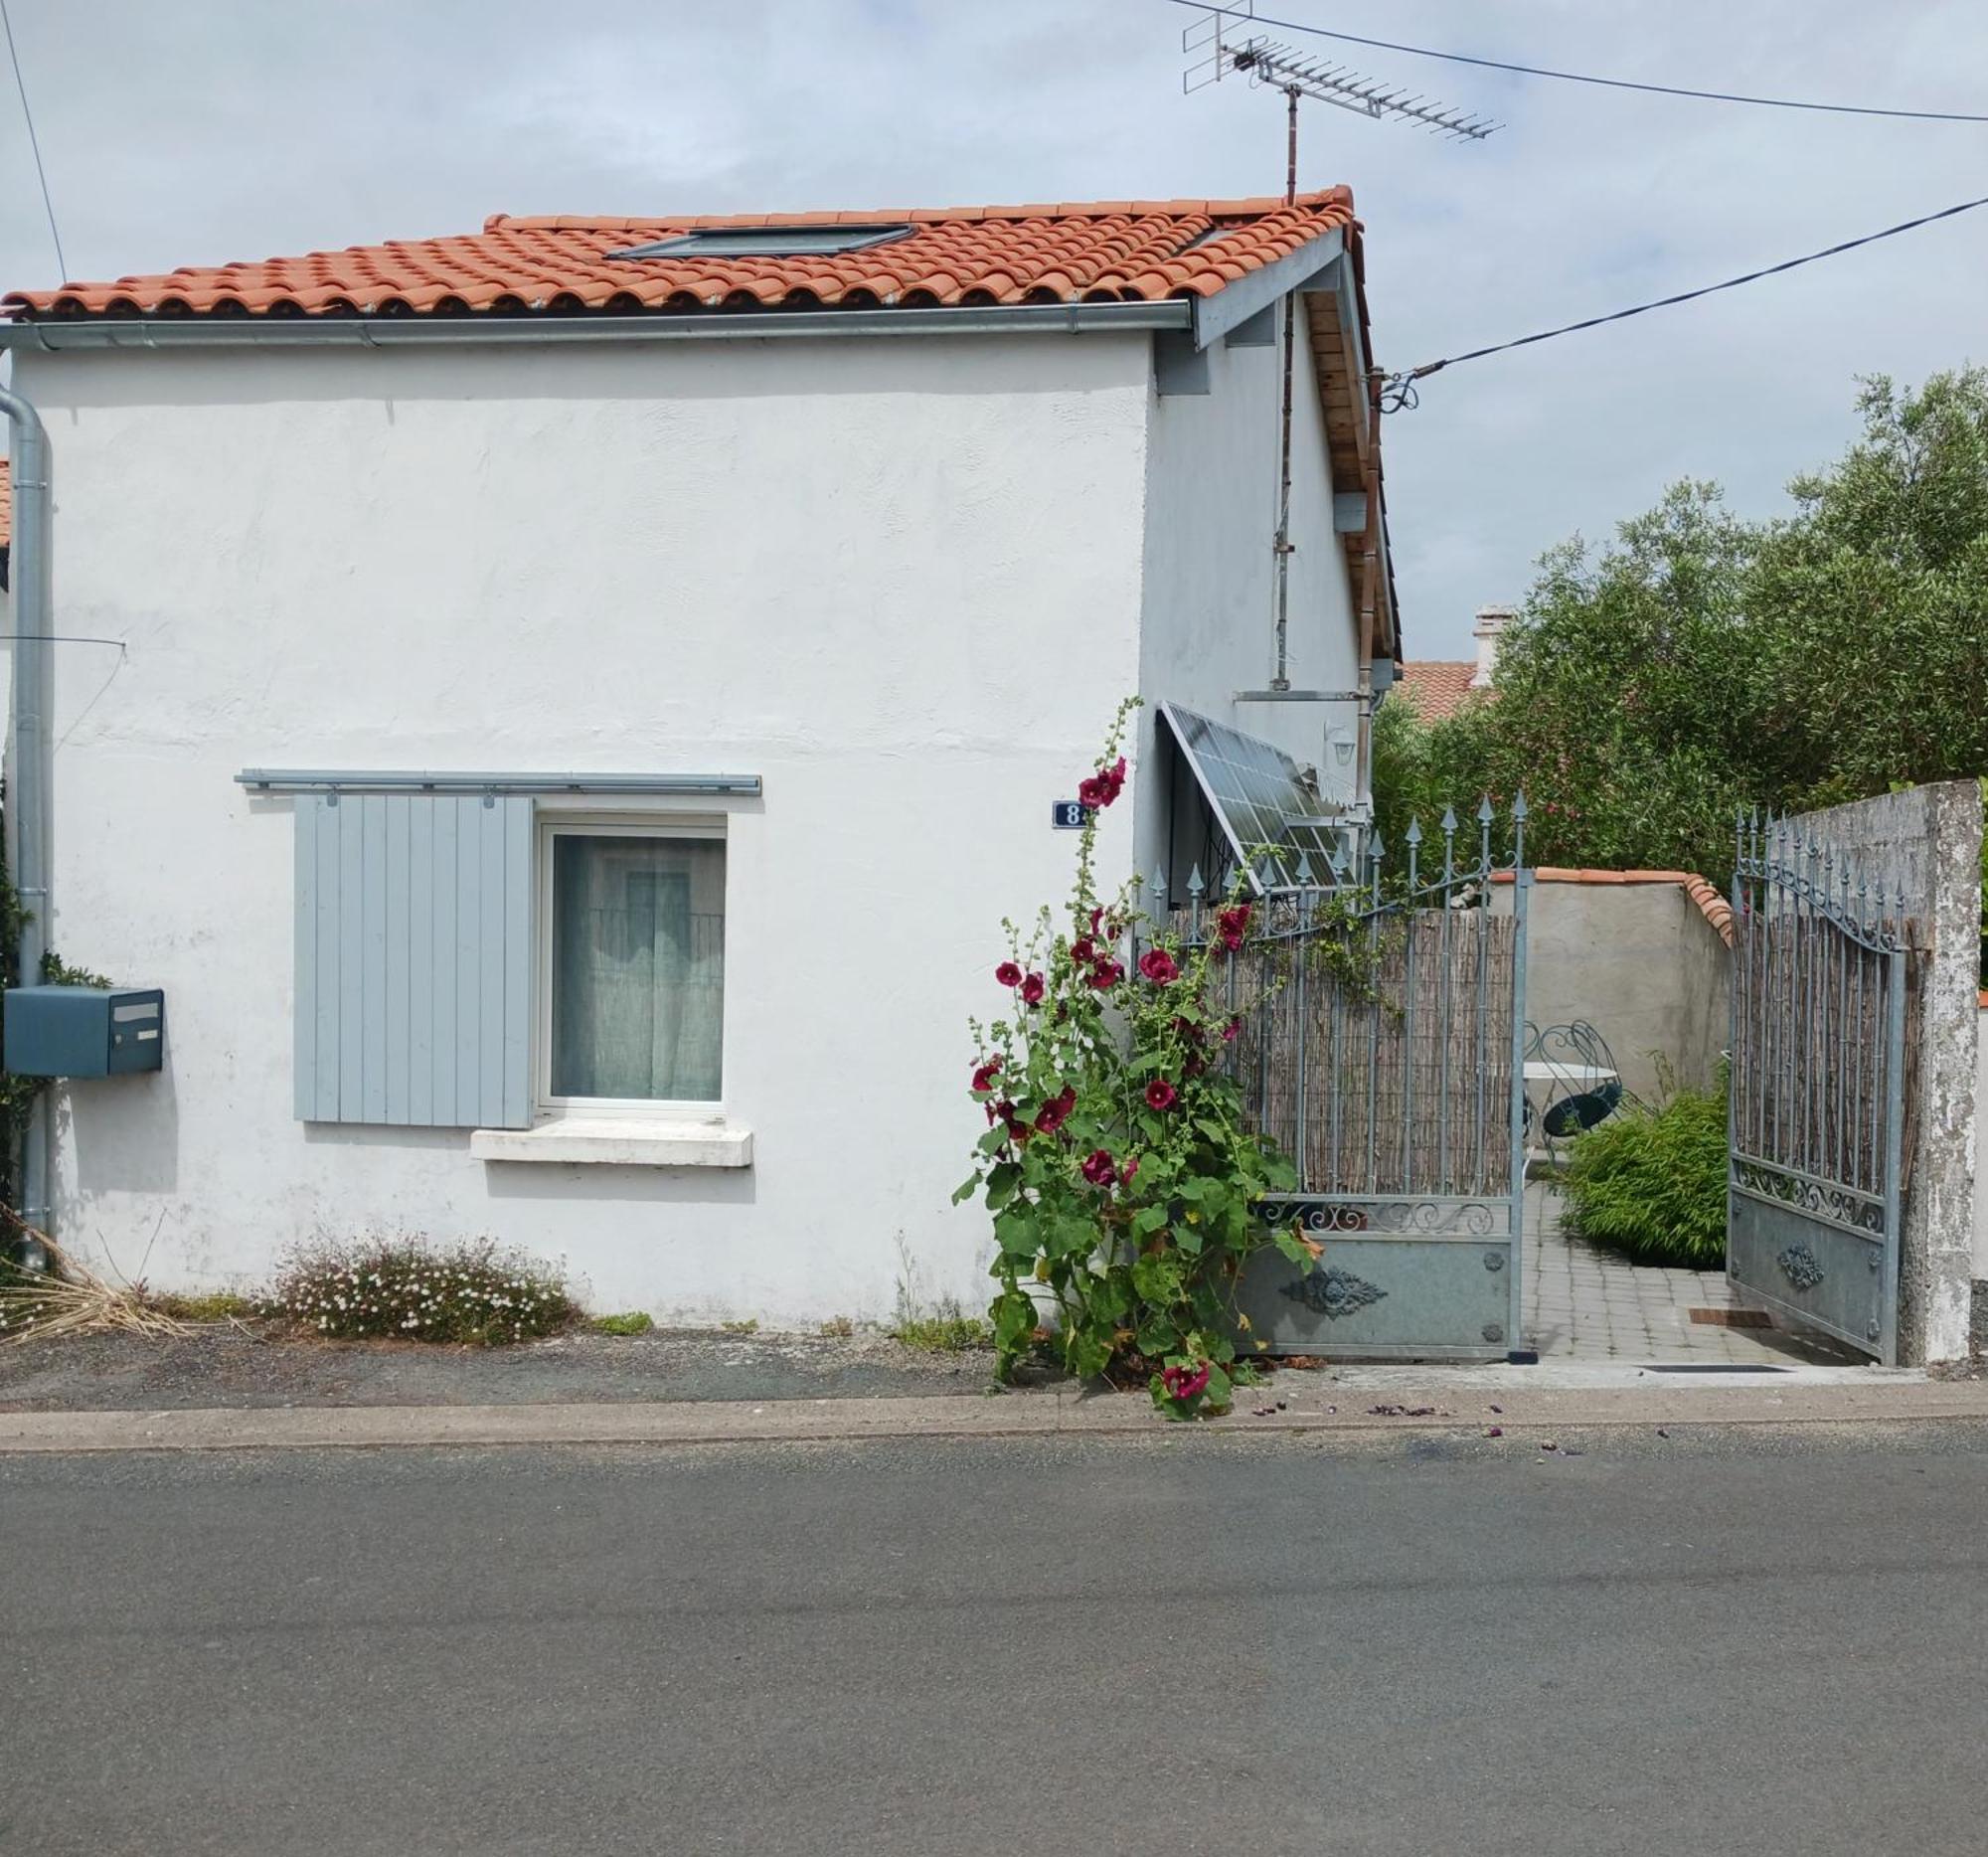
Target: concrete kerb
1450 1406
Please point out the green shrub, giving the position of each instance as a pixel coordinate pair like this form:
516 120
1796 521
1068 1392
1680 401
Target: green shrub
629 1322
1650 1182
405 1288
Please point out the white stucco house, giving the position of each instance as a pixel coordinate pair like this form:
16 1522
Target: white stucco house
590 689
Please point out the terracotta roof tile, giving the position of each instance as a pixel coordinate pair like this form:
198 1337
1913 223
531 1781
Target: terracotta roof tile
1436 687
1103 250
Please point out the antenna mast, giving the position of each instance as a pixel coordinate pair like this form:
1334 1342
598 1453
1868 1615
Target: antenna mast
1265 64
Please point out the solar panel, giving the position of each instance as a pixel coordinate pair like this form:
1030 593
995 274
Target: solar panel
1266 810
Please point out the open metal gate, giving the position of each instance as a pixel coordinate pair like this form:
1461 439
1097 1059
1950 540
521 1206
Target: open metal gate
1381 1034
1819 1087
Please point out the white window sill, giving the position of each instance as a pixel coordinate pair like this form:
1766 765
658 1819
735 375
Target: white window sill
618 1141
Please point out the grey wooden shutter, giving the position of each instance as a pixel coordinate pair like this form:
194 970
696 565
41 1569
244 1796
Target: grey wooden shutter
414 984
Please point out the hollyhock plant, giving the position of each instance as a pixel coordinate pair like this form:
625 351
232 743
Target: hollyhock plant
1123 1198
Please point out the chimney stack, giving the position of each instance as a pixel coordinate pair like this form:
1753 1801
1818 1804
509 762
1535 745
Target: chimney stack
1490 627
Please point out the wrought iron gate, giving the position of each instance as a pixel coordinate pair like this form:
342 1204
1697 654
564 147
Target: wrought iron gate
1380 1043
1819 1087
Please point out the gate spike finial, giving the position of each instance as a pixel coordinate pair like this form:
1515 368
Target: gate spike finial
1304 870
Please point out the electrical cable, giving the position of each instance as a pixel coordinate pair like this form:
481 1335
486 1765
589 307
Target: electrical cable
1576 76
1398 392
34 141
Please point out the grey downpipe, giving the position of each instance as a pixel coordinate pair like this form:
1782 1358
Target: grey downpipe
27 801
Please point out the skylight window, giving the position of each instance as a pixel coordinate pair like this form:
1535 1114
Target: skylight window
768 242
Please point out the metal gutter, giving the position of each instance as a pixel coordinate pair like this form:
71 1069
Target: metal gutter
331 780
28 798
55 335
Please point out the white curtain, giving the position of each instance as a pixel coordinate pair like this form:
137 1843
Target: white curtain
638 967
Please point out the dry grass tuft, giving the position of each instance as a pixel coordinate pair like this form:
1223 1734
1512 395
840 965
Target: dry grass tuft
70 1298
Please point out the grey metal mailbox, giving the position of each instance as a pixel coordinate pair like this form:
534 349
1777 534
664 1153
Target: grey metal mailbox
84 1031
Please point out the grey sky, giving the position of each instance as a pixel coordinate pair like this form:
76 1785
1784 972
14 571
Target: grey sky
195 131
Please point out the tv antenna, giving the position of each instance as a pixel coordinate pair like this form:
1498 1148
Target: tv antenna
1228 48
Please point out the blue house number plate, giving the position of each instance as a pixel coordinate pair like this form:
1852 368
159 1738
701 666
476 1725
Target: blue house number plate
1068 815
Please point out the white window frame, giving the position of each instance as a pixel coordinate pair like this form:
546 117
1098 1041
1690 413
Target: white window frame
647 823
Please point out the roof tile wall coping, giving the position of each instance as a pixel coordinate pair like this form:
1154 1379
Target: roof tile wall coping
1711 904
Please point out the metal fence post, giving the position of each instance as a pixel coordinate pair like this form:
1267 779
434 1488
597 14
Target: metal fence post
1887 1339
1521 885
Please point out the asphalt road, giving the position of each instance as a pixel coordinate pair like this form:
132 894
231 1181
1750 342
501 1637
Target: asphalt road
1747 1642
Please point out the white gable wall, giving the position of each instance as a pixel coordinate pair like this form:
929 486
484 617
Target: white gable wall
1209 627
900 579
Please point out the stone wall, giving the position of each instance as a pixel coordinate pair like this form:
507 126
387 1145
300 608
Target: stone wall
1927 840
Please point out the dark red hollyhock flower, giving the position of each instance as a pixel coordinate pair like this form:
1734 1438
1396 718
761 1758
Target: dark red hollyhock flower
1008 973
1056 1111
1232 1031
1108 973
1032 989
1084 950
1160 1093
1099 1168
985 1074
1232 925
1103 786
1131 1167
1097 916
1184 1383
1159 966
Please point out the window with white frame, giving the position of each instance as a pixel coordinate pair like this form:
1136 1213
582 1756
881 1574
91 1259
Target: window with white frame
470 956
632 988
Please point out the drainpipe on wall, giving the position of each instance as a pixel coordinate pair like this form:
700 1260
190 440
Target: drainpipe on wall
28 776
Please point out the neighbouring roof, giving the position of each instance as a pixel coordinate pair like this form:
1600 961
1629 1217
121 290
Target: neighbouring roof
1435 687
1111 250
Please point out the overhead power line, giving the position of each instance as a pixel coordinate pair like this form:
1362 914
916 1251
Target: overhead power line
34 141
1608 84
1399 394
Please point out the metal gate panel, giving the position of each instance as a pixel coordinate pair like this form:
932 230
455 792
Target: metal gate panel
1818 1088
1394 1079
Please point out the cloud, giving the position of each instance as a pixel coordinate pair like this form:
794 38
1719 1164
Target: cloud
234 129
